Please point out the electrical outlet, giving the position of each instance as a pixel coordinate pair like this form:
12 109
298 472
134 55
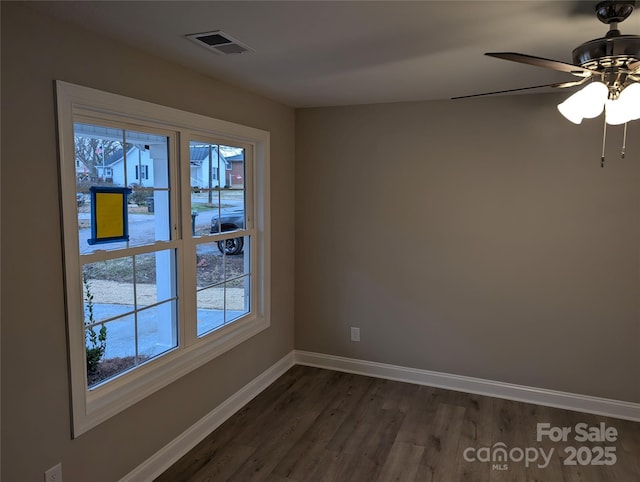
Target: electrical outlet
355 334
54 474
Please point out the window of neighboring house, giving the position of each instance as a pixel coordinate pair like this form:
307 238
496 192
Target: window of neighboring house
142 172
191 281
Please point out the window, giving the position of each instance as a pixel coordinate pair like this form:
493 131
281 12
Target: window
223 254
129 288
142 172
190 278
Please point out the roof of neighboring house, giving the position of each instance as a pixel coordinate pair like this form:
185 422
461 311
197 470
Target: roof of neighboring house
115 156
236 157
200 153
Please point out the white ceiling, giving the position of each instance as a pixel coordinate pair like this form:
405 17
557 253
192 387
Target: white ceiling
321 53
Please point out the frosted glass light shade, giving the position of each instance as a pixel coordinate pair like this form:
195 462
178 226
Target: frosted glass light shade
586 103
570 109
626 108
616 112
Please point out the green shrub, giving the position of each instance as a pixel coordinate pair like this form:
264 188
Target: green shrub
96 343
139 195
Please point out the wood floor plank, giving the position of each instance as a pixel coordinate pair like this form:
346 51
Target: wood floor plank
367 444
476 432
315 425
242 426
551 470
362 414
327 467
399 396
416 427
512 429
402 463
437 464
273 447
278 409
589 472
223 467
305 455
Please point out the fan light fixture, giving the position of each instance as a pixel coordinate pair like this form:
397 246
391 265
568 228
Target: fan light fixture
587 103
626 108
620 106
594 98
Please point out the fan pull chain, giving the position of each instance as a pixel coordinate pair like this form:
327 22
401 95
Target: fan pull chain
604 141
624 141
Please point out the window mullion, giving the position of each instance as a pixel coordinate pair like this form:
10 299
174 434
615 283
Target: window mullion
188 309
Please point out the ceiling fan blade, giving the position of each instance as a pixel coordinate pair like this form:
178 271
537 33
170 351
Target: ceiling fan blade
564 85
540 62
560 85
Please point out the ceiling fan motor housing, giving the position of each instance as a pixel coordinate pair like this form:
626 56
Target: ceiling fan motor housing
611 55
613 51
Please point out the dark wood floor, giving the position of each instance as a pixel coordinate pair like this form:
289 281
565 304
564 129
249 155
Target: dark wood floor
320 425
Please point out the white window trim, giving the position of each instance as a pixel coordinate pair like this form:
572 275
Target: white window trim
90 408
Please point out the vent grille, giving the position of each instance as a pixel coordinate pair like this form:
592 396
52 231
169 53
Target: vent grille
219 42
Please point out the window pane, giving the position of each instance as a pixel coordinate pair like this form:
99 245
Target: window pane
114 353
147 160
149 219
109 157
234 158
223 282
221 304
107 289
112 300
236 264
156 331
147 174
115 347
96 148
232 198
237 298
146 281
210 271
210 308
155 274
209 265
204 160
217 188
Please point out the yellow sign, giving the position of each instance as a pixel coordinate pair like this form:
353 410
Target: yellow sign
109 219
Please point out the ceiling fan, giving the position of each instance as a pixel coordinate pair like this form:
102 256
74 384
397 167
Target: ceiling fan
609 67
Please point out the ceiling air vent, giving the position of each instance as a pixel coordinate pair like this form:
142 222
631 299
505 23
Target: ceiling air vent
219 42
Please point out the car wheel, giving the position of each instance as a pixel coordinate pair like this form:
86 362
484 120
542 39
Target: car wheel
231 246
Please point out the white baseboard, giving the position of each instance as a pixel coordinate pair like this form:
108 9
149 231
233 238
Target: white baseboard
509 391
171 453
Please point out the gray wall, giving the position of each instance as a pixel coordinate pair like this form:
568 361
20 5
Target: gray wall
499 249
35 400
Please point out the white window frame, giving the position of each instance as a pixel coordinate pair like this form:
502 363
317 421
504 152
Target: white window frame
92 407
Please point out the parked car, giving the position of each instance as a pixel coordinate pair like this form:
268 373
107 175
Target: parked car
229 220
